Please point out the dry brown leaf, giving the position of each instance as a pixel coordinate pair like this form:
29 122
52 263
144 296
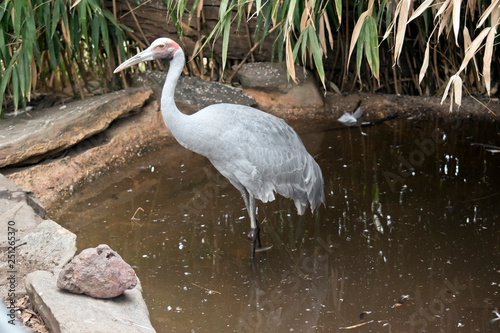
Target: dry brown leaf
199 9
420 10
487 12
393 22
456 18
472 49
328 28
487 58
401 30
441 10
467 42
443 20
495 16
445 94
457 87
321 34
307 16
289 58
425 64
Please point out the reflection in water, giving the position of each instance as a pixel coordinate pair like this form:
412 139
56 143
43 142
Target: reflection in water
412 209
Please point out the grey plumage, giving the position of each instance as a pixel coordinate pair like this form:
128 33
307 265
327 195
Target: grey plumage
257 152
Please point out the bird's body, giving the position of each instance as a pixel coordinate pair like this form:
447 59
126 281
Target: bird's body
257 152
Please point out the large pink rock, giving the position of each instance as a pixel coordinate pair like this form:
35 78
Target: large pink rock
99 272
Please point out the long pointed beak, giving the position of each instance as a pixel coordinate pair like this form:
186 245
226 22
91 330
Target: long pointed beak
145 55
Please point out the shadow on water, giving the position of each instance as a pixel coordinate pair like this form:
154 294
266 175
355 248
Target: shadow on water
408 240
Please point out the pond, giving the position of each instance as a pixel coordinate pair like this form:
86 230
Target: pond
409 239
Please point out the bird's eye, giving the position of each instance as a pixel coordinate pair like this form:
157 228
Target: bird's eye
161 46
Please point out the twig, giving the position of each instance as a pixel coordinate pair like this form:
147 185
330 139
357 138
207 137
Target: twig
354 326
137 23
132 10
209 290
133 217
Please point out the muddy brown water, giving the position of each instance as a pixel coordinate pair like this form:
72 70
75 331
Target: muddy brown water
409 239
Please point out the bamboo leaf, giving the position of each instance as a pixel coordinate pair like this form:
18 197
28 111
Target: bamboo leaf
425 64
456 18
95 25
458 90
330 35
487 59
225 39
317 54
422 8
401 29
356 34
17 18
494 4
15 87
467 43
371 45
359 53
471 51
442 8
338 8
56 15
445 94
290 64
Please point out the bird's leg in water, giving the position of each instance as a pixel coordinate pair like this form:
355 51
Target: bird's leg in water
254 233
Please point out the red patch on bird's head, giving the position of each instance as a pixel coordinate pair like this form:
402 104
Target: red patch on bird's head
164 49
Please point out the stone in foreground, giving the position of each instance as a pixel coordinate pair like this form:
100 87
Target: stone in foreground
64 312
99 272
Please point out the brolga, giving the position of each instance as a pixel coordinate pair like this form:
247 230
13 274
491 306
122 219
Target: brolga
257 152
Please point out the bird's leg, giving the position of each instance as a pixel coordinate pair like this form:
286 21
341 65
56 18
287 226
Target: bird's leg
258 233
254 233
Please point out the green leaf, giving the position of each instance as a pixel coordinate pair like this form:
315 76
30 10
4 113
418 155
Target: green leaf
94 25
317 54
225 39
359 52
82 18
104 34
7 75
56 15
338 8
15 87
371 44
18 14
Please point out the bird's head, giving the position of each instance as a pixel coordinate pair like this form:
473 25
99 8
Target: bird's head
161 49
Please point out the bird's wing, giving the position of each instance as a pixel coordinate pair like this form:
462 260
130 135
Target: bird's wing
264 154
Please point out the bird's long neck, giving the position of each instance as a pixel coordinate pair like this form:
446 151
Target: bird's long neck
171 114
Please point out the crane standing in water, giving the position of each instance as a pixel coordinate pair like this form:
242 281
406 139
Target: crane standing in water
257 152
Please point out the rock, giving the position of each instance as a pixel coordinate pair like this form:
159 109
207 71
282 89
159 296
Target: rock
47 247
32 136
19 206
35 244
99 272
64 312
267 76
194 91
269 85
